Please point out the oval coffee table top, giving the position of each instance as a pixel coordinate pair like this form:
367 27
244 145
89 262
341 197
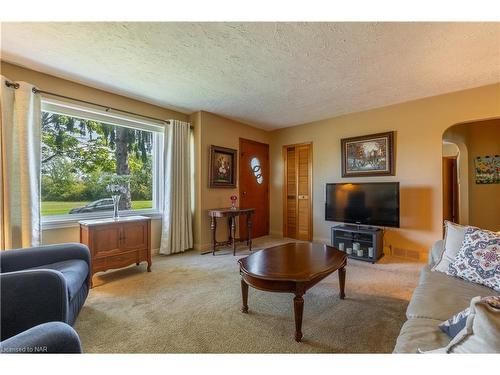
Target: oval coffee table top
293 262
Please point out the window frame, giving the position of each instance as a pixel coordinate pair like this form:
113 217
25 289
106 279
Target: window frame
129 121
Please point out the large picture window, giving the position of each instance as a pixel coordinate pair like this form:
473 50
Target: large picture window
88 156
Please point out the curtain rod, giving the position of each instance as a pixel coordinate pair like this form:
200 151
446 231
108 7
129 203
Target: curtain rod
15 85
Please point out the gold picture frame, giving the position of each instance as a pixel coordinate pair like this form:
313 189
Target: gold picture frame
222 170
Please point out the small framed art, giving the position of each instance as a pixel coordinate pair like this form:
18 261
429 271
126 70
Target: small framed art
222 172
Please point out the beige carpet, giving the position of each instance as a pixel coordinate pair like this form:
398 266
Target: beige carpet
190 303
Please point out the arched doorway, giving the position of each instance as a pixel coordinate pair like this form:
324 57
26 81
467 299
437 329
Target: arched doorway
471 183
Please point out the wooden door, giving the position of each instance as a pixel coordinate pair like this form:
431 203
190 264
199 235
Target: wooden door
254 186
297 199
450 189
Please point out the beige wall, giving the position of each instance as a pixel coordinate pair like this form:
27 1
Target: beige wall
484 199
419 125
211 129
477 201
68 88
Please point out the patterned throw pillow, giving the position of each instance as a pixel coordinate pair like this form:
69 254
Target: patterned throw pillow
457 322
478 260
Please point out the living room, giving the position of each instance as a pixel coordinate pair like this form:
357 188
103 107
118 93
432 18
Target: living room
350 166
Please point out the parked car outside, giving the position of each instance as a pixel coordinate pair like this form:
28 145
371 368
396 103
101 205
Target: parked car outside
105 204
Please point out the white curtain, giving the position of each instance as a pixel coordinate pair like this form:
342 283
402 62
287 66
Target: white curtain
177 226
20 131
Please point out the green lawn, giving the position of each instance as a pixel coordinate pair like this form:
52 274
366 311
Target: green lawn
61 208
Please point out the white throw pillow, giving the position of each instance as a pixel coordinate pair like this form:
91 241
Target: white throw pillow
453 237
481 333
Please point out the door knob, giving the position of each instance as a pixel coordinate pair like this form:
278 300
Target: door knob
244 193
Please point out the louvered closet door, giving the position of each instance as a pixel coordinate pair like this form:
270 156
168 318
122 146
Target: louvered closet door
298 203
291 194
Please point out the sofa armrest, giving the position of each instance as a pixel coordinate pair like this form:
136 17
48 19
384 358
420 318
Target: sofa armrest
53 337
20 259
436 252
30 298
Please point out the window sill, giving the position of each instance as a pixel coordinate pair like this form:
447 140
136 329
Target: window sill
72 222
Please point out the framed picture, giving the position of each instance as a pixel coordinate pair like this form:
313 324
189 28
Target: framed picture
487 169
368 155
222 173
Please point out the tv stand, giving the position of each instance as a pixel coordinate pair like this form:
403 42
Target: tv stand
364 235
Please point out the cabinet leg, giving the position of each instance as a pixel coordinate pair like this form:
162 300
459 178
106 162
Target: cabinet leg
149 266
342 273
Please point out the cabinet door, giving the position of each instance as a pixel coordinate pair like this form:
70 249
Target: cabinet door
135 236
105 240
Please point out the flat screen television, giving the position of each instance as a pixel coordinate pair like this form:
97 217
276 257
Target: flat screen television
370 203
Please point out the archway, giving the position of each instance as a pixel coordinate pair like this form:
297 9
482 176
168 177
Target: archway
476 149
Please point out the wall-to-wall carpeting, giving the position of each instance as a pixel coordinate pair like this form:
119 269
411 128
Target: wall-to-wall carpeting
190 303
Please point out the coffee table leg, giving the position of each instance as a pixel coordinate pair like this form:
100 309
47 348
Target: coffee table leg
244 295
298 306
342 282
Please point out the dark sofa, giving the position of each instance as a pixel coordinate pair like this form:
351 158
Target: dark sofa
42 284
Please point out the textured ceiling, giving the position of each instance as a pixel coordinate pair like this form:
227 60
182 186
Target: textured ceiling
268 74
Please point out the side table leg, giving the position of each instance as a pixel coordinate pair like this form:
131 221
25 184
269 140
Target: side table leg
342 273
213 227
229 230
298 306
233 234
244 296
249 231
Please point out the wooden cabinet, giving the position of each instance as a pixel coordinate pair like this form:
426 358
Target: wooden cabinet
117 243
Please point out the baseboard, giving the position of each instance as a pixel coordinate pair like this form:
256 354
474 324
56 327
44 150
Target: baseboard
202 248
326 241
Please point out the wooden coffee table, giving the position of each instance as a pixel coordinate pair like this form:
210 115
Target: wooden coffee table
291 268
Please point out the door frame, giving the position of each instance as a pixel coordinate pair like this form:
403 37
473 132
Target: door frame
284 189
240 166
455 189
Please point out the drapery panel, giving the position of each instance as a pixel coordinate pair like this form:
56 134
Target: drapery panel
177 225
20 132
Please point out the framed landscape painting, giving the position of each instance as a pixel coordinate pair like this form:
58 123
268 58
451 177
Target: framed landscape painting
222 172
368 155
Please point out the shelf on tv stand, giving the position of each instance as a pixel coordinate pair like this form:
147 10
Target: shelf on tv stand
371 237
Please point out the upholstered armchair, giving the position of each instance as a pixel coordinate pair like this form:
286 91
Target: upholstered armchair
52 337
42 284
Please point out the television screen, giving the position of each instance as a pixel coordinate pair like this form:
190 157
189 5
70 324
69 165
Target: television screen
373 203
